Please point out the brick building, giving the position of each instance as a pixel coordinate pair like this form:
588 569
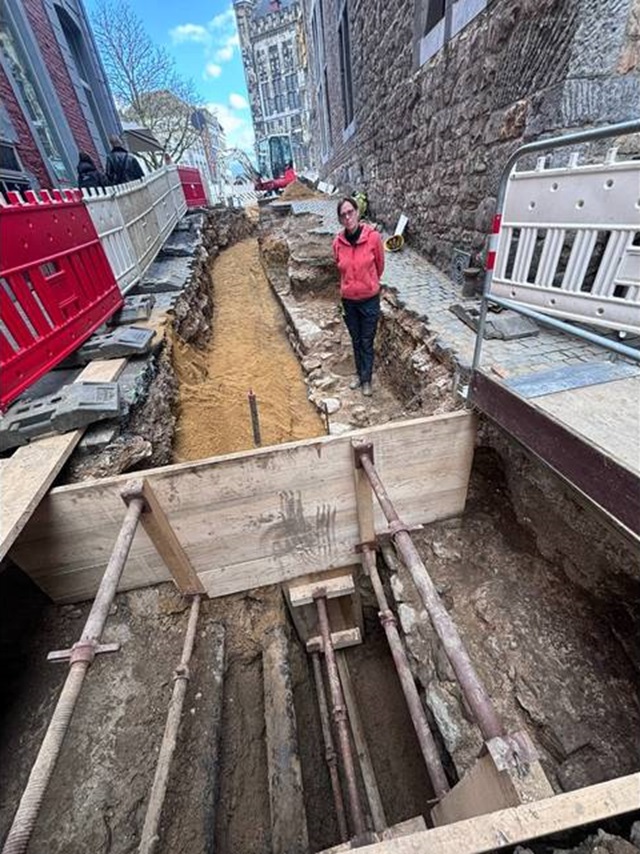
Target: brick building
273 48
420 102
54 94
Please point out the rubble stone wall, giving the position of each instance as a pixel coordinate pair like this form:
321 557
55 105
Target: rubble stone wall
431 141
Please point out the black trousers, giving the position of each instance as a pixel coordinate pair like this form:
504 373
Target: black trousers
361 318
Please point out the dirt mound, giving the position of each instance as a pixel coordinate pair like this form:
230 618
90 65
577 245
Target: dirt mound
298 190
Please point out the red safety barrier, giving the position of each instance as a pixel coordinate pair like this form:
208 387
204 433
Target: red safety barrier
56 285
193 187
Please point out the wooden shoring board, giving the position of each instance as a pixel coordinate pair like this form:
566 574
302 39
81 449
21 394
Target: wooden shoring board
506 828
30 471
344 612
253 518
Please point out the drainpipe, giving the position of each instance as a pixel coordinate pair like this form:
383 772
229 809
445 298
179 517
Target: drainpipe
418 717
82 654
181 676
474 691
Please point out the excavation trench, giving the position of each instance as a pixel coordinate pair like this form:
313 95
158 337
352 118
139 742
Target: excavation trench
542 591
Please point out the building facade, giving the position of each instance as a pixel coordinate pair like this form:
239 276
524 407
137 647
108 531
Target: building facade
207 152
420 102
273 47
54 94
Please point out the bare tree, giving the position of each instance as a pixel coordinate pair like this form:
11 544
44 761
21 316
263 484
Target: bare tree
144 80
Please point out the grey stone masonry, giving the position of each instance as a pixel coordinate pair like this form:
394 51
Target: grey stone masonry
422 289
432 132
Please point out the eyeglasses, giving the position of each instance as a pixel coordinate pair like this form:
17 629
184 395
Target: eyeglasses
348 214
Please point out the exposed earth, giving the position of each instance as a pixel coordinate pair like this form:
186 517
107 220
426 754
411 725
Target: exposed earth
557 657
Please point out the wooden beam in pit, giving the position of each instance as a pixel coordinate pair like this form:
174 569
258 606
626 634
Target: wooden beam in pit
506 828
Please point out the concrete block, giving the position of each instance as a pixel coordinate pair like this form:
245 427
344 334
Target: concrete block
73 407
134 308
124 341
165 274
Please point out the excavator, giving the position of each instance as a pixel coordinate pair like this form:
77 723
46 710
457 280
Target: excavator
276 166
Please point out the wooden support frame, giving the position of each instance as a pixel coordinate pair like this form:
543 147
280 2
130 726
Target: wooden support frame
506 828
155 523
253 518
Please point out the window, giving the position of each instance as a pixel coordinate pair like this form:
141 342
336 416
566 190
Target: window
12 175
438 21
435 13
82 64
320 75
345 66
35 105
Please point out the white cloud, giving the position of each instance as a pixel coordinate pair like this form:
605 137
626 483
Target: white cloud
190 33
223 20
212 70
238 129
237 102
224 54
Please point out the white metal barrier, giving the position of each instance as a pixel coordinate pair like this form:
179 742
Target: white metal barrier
569 242
133 221
239 195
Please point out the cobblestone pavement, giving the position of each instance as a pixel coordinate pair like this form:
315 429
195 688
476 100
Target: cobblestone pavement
427 292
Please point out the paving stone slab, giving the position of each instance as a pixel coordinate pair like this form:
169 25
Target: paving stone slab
73 407
181 244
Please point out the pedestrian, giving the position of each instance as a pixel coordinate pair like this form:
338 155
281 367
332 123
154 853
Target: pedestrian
121 166
359 255
88 173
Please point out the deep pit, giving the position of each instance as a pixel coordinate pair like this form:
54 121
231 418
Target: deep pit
544 593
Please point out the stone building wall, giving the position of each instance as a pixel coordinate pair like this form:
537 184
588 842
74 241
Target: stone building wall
431 140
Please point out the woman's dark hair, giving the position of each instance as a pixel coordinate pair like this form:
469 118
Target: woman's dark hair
351 201
83 157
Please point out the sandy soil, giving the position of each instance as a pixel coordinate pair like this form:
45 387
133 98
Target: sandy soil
248 351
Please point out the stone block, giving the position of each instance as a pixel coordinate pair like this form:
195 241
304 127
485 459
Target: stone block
181 244
73 407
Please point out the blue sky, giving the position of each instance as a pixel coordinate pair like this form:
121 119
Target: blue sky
202 37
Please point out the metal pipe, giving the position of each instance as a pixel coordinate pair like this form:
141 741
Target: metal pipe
255 420
181 675
556 323
418 716
474 691
329 748
340 717
621 129
82 655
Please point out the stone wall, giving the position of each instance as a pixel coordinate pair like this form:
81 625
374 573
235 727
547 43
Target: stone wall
431 141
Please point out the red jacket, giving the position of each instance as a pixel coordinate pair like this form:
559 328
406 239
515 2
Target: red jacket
360 266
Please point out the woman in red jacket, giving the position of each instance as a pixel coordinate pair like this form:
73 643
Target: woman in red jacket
359 255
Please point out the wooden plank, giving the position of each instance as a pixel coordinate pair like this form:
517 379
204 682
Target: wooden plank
340 640
304 594
30 471
604 481
506 828
364 505
345 611
607 415
252 518
155 523
485 789
286 795
376 807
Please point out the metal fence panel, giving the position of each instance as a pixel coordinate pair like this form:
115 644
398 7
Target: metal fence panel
569 243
